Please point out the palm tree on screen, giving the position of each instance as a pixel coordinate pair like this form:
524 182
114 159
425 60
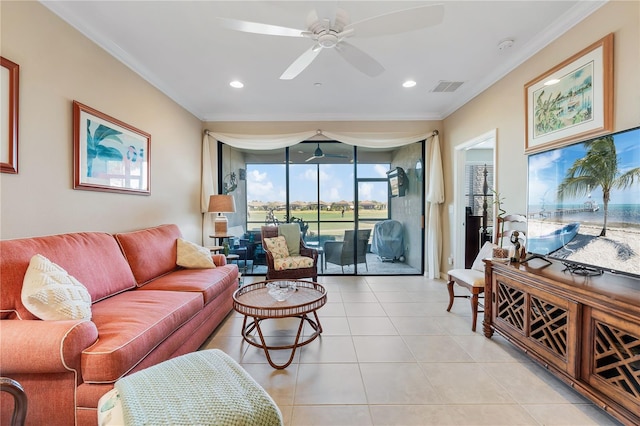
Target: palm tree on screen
598 168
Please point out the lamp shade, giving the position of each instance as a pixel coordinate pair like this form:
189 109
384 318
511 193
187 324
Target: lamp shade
222 204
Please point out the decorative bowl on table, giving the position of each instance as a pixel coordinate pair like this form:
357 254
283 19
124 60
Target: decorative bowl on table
281 290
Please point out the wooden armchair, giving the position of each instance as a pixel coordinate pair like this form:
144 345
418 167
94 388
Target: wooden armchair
274 273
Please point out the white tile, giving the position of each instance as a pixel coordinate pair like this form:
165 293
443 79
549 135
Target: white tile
569 415
331 415
465 383
371 326
436 349
328 349
415 326
382 349
364 310
329 384
400 383
390 354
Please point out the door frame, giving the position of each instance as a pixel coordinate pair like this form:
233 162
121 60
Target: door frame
458 180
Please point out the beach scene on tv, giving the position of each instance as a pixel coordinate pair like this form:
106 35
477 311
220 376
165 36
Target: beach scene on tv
584 203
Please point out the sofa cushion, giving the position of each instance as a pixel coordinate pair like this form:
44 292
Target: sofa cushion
130 325
93 258
50 293
190 255
150 252
210 282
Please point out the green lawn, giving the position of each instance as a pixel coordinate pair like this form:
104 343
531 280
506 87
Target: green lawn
332 222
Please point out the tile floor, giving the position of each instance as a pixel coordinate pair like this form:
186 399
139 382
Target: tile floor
390 354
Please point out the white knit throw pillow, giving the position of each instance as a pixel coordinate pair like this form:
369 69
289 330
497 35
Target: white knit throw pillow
50 293
193 256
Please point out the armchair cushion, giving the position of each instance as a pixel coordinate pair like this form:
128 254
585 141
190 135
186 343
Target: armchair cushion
291 233
277 246
292 262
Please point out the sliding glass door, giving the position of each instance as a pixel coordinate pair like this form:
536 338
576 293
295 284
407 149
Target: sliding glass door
339 194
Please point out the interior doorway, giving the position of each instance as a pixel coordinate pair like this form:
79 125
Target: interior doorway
470 159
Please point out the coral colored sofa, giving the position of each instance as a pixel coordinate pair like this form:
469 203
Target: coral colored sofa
144 309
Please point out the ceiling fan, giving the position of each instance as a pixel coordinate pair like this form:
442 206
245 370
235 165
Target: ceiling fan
319 154
329 35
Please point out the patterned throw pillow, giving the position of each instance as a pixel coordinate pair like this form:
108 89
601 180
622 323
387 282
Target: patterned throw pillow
50 293
277 246
292 262
193 256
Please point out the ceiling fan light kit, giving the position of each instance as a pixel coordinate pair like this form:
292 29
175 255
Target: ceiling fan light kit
328 35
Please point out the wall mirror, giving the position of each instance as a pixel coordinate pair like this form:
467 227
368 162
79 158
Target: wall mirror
9 114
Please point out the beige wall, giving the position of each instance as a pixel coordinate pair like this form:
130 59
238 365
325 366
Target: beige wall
59 65
501 107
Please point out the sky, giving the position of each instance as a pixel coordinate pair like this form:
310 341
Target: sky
266 182
547 169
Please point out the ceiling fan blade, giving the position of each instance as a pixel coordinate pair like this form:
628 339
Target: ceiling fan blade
336 155
301 63
401 21
258 28
359 59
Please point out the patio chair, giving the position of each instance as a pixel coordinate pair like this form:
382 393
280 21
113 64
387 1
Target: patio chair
287 262
344 252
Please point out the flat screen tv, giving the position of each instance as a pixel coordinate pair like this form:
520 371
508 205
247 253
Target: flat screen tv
397 182
584 204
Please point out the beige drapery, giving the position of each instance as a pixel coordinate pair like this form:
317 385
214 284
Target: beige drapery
435 195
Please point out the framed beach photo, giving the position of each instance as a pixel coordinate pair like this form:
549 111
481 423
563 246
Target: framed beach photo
108 154
572 101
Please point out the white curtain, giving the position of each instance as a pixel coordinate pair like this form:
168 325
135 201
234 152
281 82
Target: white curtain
435 197
369 140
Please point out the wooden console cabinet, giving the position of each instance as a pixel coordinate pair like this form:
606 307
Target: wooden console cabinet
584 329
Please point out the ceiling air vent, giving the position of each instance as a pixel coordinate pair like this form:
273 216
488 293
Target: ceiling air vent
447 86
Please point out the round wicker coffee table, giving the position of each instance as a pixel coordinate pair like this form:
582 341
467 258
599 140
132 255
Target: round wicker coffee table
254 301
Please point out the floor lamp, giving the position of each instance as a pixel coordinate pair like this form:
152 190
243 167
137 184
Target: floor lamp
221 204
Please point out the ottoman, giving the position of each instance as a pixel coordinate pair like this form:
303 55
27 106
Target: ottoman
201 388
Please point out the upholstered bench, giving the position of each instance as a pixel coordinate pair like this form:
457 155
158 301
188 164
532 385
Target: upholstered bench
200 388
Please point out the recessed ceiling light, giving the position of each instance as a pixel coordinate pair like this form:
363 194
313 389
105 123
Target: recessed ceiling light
317 84
237 84
409 83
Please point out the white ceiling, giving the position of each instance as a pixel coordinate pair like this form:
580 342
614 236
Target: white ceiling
181 48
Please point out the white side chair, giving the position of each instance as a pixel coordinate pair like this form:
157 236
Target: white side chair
471 279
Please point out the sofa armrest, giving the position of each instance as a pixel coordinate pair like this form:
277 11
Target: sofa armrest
219 259
35 346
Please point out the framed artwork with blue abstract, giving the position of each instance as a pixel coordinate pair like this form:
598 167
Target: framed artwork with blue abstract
109 155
